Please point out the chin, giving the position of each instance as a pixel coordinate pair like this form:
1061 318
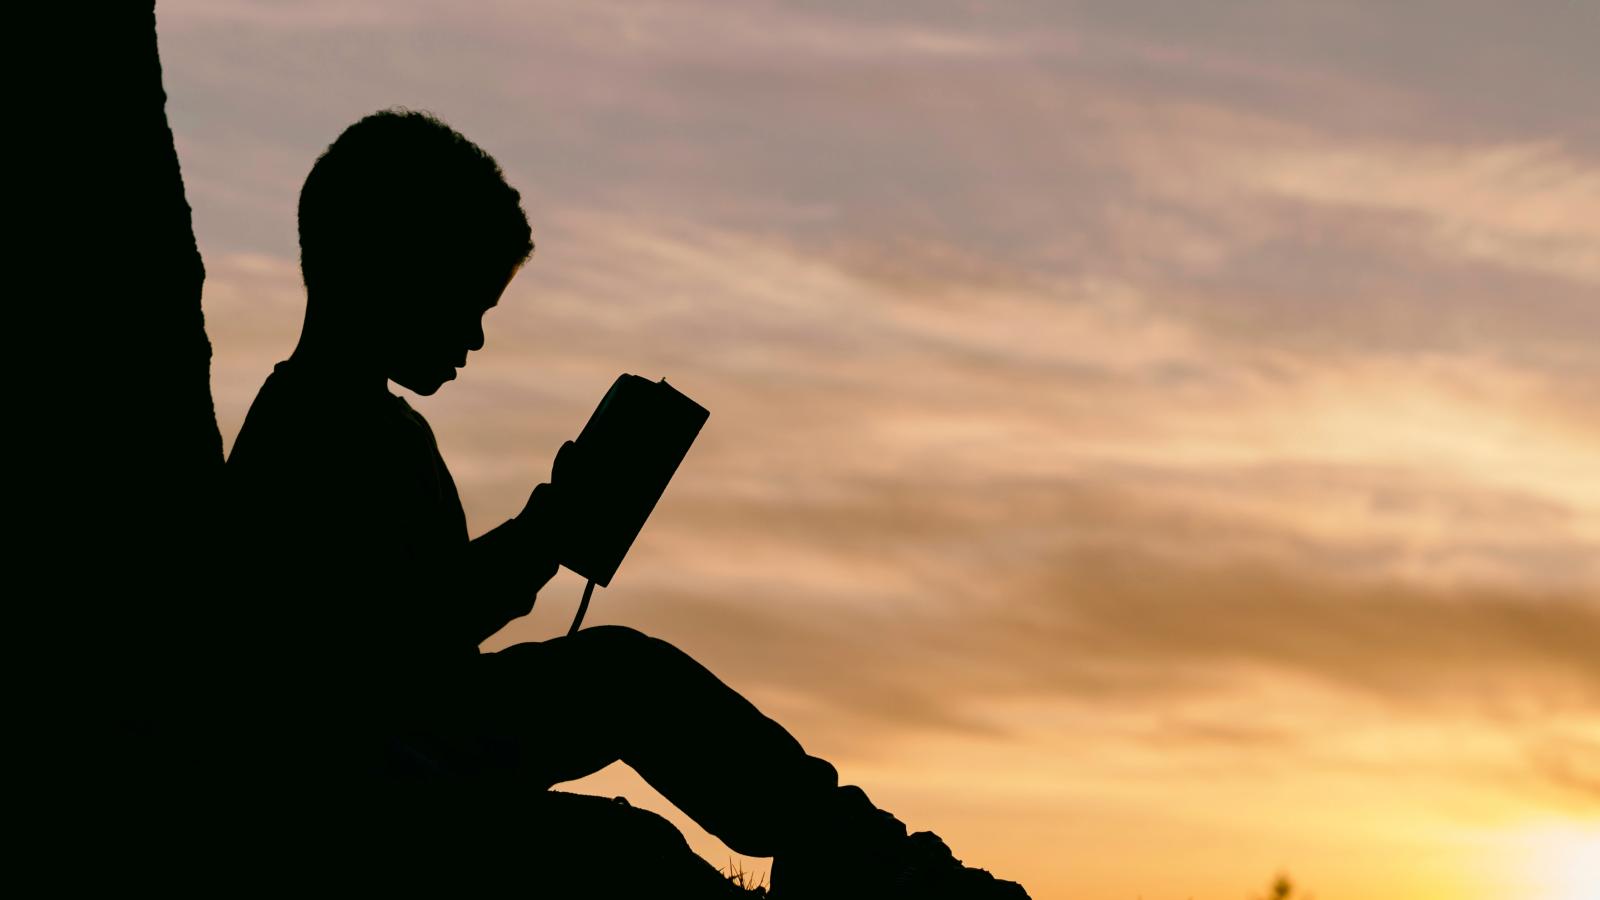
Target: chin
423 387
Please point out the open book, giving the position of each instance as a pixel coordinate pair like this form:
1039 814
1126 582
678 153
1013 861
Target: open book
631 447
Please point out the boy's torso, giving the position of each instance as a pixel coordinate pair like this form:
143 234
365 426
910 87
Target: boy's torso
334 496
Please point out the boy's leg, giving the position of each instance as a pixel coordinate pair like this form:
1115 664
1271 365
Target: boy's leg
561 709
564 708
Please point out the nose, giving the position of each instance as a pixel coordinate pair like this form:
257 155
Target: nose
475 337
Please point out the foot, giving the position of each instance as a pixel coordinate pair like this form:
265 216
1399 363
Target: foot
931 872
866 853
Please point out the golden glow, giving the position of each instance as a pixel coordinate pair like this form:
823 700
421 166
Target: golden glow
1560 861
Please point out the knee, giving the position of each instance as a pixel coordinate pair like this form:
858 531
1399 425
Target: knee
615 638
620 648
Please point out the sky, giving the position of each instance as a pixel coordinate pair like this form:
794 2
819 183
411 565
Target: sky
1152 444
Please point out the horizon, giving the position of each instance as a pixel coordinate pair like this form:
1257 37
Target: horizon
1152 445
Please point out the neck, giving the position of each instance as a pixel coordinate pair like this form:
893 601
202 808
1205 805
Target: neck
335 353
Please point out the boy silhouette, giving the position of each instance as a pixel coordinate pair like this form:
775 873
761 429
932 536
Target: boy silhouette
370 597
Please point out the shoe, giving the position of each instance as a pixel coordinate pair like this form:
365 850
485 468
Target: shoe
864 853
929 871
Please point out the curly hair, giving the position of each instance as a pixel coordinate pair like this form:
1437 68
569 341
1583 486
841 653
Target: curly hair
400 185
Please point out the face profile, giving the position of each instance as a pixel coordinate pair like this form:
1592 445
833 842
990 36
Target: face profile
431 326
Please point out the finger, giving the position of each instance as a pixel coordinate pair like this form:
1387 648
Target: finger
562 461
545 510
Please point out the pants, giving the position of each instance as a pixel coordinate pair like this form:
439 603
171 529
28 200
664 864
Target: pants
564 708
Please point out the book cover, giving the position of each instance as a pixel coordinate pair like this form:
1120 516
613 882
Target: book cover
631 447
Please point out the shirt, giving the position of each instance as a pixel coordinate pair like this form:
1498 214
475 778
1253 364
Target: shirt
348 534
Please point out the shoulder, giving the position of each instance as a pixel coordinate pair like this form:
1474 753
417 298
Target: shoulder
299 431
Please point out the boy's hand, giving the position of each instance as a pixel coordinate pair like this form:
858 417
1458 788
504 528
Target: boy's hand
550 506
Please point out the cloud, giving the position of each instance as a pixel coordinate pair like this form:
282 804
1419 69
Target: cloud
1053 155
1570 763
1522 206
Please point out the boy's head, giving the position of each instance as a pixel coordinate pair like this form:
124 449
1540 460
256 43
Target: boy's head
408 234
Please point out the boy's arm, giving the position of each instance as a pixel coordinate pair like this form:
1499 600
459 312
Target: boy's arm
510 564
514 561
490 580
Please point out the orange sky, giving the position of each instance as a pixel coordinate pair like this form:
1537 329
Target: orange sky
1152 444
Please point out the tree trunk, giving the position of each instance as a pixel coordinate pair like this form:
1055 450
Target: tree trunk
121 456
